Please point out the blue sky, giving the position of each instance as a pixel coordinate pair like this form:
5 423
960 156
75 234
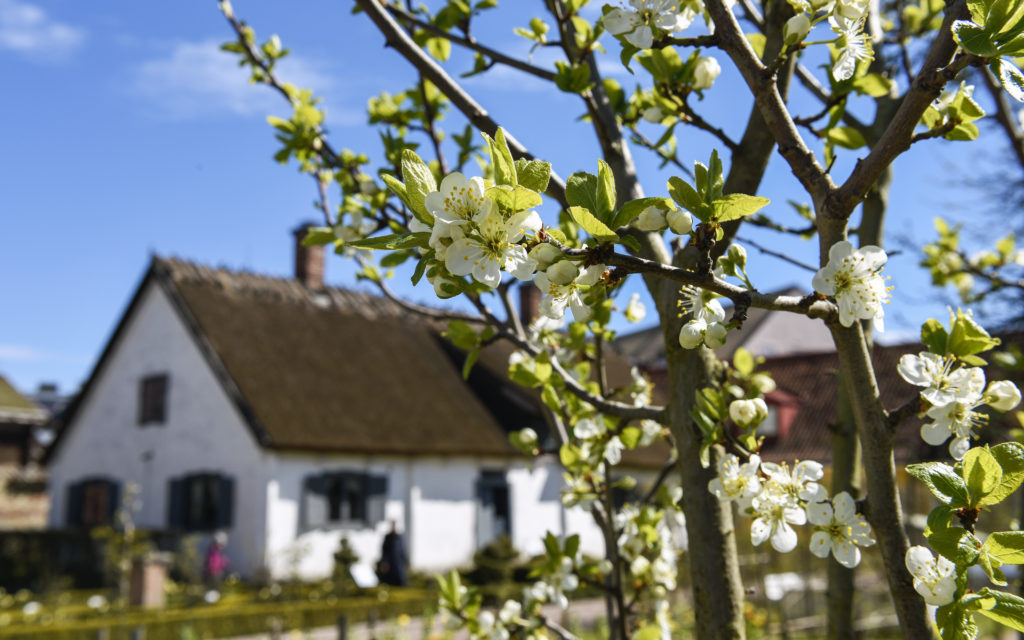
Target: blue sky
127 133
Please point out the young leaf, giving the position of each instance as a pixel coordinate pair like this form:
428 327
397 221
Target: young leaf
592 225
394 241
1007 608
316 236
533 174
419 181
1010 456
846 137
944 483
501 158
605 191
581 190
934 336
685 196
982 473
967 337
737 205
514 198
1006 546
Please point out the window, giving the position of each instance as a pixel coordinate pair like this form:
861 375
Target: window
92 502
201 502
344 498
153 399
493 514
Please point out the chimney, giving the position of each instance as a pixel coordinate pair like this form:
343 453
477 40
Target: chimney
309 261
529 302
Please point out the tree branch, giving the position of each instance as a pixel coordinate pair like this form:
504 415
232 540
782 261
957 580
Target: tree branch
1004 115
472 44
395 36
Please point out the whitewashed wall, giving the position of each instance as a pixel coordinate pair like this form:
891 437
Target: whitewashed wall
202 432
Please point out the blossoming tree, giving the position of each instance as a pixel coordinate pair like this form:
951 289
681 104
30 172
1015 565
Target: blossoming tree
475 236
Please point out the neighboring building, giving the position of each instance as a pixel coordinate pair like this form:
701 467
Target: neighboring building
23 498
290 414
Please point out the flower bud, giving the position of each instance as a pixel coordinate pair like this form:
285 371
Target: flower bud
738 256
528 436
679 221
446 286
796 29
705 72
653 114
1002 395
748 413
639 566
635 310
714 337
692 334
763 382
651 219
545 254
562 272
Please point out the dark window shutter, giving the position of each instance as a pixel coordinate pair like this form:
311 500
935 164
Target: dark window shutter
225 501
73 517
176 506
113 499
376 498
314 501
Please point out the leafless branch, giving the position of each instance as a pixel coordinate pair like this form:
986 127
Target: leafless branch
780 256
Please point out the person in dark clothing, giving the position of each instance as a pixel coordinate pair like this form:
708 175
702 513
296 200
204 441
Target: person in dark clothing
391 568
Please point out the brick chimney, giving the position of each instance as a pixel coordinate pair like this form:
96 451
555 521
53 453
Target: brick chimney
529 302
309 261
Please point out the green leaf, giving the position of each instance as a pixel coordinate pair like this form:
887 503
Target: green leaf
399 190
632 209
737 205
316 236
967 337
581 190
572 78
605 191
944 483
1010 456
647 632
685 196
501 158
419 181
872 84
1006 546
394 241
568 455
743 362
1007 608
982 473
1010 77
550 398
955 623
956 543
421 267
630 436
514 199
533 174
572 545
471 359
846 137
757 42
974 39
592 225
934 336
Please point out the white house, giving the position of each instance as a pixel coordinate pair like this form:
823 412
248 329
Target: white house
290 414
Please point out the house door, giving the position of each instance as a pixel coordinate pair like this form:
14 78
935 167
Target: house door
493 512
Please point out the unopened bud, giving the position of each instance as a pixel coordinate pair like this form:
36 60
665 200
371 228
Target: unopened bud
653 114
705 72
796 29
651 219
679 221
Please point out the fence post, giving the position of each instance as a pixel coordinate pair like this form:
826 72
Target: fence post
342 627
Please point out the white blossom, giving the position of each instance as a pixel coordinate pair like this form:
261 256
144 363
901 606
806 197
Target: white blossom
545 254
957 419
679 221
934 578
635 310
637 24
775 513
649 430
1002 395
853 46
853 277
735 481
798 484
456 201
705 72
557 297
651 219
491 247
562 272
653 114
748 412
942 383
841 530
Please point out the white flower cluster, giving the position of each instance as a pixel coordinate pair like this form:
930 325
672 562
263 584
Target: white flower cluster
498 627
853 277
596 442
653 560
953 394
472 237
706 325
777 498
846 17
638 22
555 585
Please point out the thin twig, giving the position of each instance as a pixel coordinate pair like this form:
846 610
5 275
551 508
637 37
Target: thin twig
776 254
